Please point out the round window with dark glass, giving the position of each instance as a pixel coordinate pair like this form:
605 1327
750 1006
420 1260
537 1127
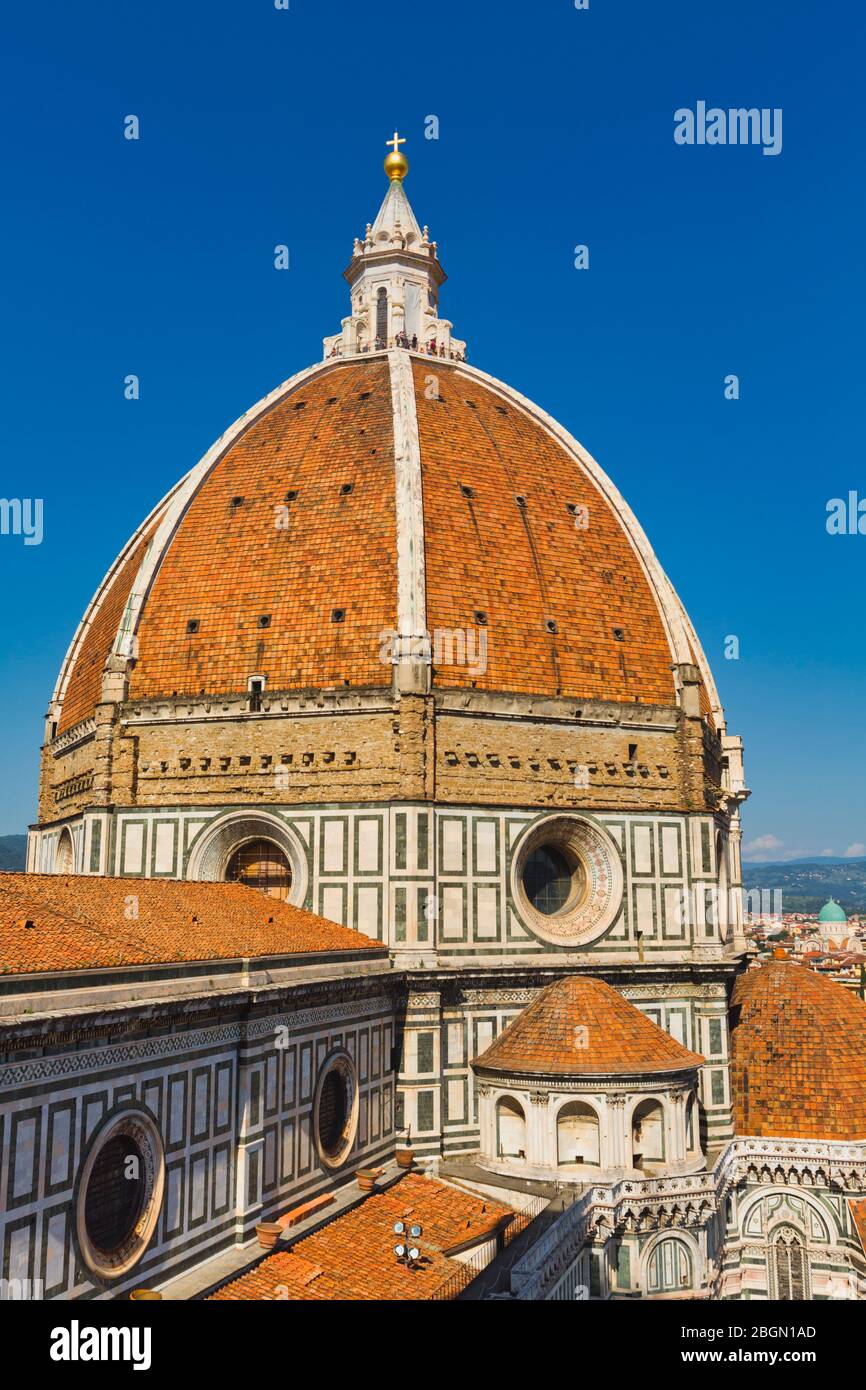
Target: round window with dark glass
333 1113
335 1109
115 1193
119 1192
549 880
566 879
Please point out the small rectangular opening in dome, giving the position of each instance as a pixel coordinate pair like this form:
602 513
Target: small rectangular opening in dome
256 688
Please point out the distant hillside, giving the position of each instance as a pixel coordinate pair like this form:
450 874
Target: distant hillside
13 851
806 884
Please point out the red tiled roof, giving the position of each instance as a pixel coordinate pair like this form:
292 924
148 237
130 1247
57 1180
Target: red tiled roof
580 1026
529 565
230 564
81 923
353 1256
798 1055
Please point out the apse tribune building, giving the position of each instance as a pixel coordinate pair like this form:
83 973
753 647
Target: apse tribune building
397 654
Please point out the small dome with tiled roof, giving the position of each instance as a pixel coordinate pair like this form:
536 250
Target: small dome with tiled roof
798 1055
832 912
580 1026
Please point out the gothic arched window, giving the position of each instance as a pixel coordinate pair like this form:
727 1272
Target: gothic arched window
789 1267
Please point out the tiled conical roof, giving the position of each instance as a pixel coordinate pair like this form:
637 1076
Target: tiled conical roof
798 1050
579 1026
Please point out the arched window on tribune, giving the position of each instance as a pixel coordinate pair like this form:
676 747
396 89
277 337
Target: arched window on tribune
510 1129
577 1135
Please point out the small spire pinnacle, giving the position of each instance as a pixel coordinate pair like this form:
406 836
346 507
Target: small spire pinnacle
396 163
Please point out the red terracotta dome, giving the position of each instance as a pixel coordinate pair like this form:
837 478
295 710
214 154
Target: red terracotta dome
355 501
580 1026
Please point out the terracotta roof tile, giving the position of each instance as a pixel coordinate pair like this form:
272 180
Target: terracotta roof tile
230 564
580 1026
798 1055
352 1257
80 923
526 566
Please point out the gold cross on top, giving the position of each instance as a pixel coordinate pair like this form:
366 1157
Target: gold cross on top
396 140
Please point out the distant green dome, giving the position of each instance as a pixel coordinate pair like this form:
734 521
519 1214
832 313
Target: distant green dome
832 912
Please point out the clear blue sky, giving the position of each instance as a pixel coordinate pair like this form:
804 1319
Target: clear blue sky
261 126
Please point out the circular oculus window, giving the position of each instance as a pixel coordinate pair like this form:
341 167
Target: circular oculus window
262 865
119 1196
566 879
335 1109
254 848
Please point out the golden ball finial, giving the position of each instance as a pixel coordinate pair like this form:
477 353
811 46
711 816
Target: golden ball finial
396 164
